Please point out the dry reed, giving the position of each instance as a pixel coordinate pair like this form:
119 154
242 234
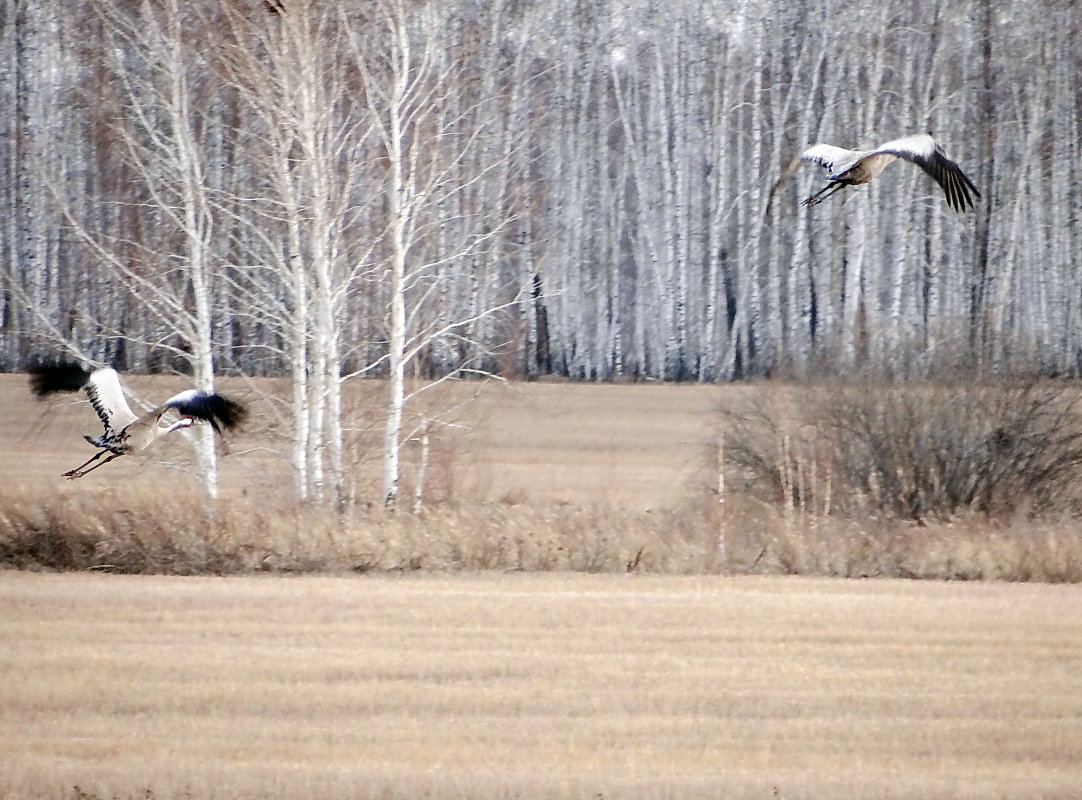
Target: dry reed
138 531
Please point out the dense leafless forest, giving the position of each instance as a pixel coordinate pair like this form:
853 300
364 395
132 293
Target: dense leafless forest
334 190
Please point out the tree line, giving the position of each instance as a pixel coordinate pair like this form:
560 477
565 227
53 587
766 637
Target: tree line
385 188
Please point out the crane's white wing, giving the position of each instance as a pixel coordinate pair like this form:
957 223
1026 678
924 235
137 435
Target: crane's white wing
920 145
107 397
923 151
826 155
835 159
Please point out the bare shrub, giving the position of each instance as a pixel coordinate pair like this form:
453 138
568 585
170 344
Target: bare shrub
912 451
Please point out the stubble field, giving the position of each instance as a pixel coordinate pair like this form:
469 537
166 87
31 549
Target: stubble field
506 684
537 686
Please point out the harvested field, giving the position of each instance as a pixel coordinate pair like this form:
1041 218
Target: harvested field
551 686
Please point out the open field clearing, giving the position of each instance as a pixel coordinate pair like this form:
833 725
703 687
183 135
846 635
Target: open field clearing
545 477
637 446
547 686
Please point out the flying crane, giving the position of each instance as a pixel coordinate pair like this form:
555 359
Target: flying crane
125 431
857 167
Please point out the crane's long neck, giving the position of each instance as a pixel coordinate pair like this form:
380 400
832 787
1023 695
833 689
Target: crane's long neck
158 431
183 422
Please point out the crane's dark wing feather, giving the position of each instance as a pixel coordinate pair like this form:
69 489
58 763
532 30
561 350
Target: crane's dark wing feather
923 151
219 411
956 184
102 386
50 377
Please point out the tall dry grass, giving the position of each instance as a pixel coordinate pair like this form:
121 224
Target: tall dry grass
141 532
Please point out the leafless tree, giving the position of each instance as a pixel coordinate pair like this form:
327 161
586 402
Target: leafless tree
609 156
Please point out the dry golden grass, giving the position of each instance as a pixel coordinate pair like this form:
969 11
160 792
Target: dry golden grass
544 686
135 530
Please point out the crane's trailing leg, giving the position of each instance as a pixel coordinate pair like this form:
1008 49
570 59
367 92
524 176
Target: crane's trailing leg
819 196
79 472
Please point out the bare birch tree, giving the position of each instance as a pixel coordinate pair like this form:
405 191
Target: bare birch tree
294 73
168 275
428 136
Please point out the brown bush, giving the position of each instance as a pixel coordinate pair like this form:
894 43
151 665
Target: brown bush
918 452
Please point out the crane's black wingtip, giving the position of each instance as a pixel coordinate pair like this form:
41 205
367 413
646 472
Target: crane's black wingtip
49 376
221 412
226 413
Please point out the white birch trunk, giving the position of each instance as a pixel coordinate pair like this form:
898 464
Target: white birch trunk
198 232
400 200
